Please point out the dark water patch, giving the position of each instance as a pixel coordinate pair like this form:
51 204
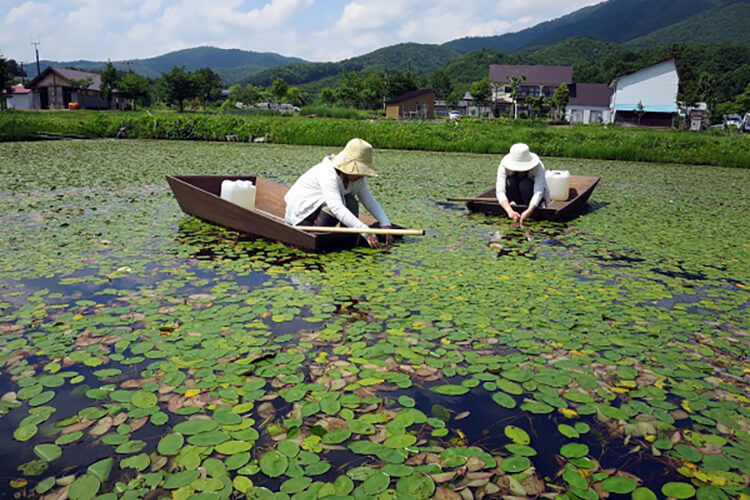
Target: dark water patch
686 275
486 421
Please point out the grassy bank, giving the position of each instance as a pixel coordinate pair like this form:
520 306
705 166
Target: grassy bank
471 136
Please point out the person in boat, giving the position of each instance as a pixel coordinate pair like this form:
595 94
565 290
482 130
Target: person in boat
327 194
521 181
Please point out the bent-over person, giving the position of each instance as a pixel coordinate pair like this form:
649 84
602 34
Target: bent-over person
328 193
521 181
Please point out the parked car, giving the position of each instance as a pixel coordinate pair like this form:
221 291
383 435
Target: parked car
733 120
452 115
746 123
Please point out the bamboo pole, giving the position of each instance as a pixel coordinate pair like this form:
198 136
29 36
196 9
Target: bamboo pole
480 200
369 230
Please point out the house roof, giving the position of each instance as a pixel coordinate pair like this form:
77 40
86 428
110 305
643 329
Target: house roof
590 94
615 79
535 74
409 95
70 74
17 90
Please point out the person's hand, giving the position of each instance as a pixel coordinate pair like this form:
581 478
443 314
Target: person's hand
388 237
514 215
525 215
372 240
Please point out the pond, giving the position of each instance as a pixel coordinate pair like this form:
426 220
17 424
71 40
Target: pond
145 354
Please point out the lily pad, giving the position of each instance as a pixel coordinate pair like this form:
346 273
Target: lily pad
450 389
678 490
273 463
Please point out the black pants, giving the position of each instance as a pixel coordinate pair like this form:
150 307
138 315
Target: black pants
519 188
321 218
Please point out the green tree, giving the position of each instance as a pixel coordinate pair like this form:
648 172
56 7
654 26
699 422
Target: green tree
207 85
514 82
108 82
279 88
742 101
401 82
293 96
373 90
327 96
3 79
350 88
177 85
560 100
441 84
539 105
481 91
136 88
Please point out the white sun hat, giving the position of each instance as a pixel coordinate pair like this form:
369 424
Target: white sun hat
519 159
355 159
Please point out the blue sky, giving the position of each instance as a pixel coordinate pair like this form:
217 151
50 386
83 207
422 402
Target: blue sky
316 30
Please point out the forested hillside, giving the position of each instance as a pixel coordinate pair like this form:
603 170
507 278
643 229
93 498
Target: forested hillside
615 21
415 57
228 63
729 24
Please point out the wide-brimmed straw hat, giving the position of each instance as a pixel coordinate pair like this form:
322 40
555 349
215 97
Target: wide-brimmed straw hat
355 159
520 158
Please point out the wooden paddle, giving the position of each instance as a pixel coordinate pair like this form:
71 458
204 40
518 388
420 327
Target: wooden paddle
480 200
369 230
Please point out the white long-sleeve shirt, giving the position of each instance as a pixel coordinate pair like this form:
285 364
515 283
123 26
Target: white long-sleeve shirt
541 191
322 185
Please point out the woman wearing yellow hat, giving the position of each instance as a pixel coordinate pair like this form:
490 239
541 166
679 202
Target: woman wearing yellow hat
521 181
327 193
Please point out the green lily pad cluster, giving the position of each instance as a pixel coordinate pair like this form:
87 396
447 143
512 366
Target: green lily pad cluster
205 364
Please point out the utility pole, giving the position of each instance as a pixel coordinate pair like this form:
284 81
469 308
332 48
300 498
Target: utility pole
36 49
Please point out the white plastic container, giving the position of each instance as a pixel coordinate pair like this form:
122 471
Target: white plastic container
240 193
558 182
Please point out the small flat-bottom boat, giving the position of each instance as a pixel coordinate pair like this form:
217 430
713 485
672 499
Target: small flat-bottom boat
199 195
580 190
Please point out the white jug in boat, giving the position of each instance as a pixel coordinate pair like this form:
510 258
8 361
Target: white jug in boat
558 182
240 193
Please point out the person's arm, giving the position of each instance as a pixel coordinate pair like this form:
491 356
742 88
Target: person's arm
371 204
502 198
329 185
539 186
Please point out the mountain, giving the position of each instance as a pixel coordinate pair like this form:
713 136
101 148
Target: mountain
419 58
229 64
724 24
613 21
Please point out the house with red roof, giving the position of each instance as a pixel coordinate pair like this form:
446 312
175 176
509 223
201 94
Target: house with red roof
588 103
19 97
58 88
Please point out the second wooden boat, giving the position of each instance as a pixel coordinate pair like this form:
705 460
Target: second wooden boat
199 195
581 188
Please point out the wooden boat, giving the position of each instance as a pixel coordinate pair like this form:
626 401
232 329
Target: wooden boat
580 190
199 195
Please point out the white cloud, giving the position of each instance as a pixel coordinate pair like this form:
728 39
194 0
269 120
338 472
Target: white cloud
320 31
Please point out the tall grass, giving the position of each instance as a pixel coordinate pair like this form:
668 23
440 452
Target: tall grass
333 112
466 135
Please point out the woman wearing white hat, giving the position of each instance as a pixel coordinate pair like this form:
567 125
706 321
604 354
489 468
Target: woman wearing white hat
521 181
327 193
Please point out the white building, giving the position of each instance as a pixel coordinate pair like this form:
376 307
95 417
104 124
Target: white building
19 98
647 97
589 103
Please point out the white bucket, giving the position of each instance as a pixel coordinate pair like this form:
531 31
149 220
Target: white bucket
558 182
240 193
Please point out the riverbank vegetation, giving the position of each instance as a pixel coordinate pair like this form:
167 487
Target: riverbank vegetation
465 135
